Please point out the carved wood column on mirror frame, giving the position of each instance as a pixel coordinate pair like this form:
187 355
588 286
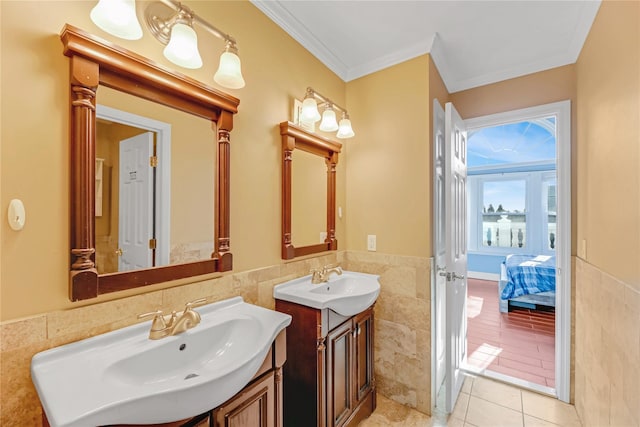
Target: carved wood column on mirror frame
331 162
84 79
288 145
222 202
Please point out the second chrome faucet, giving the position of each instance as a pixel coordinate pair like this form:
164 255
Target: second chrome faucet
176 324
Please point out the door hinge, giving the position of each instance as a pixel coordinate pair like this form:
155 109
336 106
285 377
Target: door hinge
153 161
152 243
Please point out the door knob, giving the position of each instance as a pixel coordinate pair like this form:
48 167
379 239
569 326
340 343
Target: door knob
119 252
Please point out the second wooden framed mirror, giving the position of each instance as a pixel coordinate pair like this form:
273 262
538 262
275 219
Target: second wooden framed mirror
296 138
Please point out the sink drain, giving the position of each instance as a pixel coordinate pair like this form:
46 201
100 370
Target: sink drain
190 376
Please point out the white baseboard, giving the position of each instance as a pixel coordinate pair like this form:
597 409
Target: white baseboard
483 276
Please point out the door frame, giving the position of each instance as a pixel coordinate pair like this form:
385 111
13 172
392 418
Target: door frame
163 171
562 111
438 283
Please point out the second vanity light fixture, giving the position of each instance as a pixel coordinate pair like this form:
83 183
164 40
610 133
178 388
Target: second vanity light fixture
310 114
173 27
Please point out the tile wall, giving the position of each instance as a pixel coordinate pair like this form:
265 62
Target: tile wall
607 348
402 325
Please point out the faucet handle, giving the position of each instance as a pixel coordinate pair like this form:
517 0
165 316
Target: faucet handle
188 307
316 275
196 303
158 323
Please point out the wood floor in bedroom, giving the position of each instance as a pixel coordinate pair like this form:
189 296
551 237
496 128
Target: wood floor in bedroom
519 344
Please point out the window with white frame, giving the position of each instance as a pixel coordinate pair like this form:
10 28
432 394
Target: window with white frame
512 187
512 212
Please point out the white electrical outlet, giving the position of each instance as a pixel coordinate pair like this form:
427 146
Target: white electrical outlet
371 242
323 236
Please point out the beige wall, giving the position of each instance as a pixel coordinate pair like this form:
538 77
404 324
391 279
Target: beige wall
389 169
607 356
608 210
34 160
557 84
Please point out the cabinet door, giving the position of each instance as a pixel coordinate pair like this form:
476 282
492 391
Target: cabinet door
339 374
253 407
363 358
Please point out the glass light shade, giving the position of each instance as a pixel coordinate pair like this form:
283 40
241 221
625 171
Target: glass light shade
118 18
229 72
329 123
309 112
182 48
345 130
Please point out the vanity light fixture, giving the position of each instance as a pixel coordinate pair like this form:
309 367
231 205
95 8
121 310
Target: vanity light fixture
118 18
329 123
310 114
344 128
162 22
173 24
182 48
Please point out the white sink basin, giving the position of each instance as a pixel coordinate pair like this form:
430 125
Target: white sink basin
347 294
124 377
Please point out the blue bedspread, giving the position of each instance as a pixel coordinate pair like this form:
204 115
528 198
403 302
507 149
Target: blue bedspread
529 274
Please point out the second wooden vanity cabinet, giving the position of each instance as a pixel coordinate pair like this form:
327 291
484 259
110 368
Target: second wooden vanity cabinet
328 377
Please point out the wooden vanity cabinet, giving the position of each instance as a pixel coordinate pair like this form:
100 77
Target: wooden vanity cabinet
258 404
255 406
328 378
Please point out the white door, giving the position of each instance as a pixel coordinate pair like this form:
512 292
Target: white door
439 247
135 227
455 183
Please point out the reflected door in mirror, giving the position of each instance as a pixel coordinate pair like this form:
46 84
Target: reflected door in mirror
157 199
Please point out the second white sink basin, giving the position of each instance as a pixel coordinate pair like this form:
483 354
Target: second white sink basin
123 377
347 294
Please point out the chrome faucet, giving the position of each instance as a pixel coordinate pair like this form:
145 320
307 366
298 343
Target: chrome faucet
322 275
162 327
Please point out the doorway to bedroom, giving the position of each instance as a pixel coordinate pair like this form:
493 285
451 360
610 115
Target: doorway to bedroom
518 242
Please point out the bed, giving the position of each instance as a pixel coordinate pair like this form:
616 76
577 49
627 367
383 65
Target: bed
527 281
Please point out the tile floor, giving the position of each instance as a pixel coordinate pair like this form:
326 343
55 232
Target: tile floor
482 402
519 344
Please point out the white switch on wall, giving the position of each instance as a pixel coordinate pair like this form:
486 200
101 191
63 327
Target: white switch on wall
371 242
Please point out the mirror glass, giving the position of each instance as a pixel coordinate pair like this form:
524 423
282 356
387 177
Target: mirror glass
308 192
149 216
308 199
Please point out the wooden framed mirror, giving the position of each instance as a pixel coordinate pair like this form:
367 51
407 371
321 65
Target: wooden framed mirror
94 63
294 137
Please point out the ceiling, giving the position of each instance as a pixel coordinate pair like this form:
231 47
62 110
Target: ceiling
473 43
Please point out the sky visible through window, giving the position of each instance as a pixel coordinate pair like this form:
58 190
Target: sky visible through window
523 142
508 194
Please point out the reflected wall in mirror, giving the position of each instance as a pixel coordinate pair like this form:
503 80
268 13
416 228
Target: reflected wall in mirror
308 198
96 65
305 199
154 223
